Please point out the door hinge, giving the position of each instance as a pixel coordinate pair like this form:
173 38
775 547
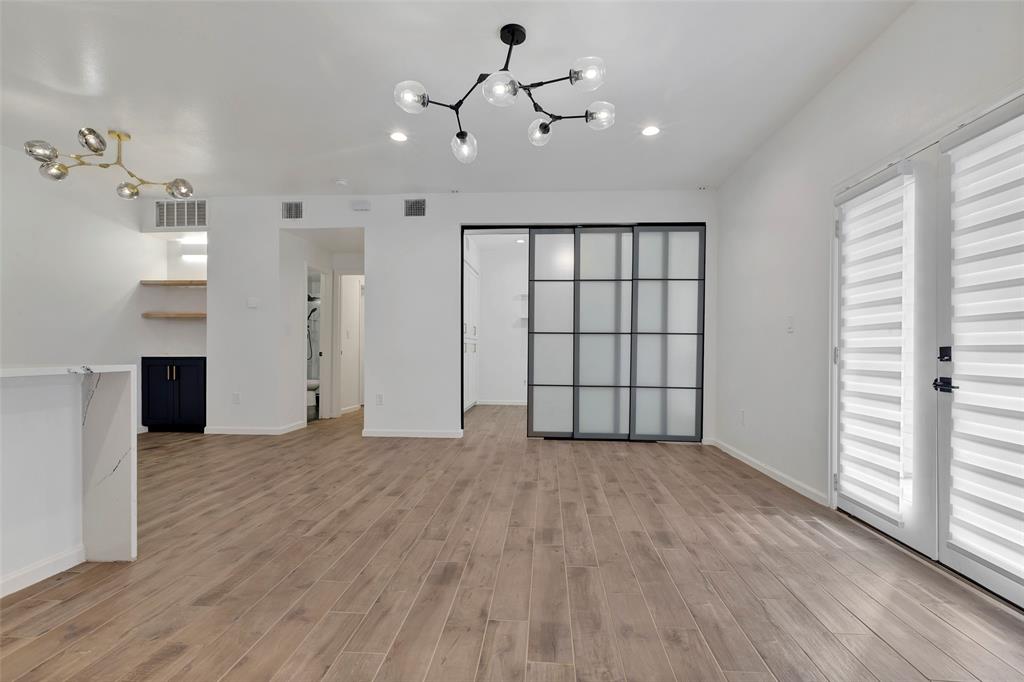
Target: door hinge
835 355
835 481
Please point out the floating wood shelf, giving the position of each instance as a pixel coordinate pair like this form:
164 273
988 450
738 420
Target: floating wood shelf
173 282
158 315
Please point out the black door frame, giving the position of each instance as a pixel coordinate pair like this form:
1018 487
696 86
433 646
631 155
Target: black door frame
700 225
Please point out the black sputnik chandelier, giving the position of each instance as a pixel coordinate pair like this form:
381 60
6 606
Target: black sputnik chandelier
501 88
53 168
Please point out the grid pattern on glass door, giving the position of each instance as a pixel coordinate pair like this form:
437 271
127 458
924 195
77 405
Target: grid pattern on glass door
668 333
604 285
551 332
616 332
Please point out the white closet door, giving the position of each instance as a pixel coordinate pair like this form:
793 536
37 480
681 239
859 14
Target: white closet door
886 467
982 419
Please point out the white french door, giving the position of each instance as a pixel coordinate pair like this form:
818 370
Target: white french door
982 320
930 351
885 476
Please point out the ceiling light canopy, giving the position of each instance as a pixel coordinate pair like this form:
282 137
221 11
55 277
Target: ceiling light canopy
501 89
52 168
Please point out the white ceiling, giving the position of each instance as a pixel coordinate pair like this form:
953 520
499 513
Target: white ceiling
287 97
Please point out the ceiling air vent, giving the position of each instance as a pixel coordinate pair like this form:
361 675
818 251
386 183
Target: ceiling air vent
173 214
291 210
415 207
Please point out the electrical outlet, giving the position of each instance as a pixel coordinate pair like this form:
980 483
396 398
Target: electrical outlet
743 417
236 398
380 399
790 324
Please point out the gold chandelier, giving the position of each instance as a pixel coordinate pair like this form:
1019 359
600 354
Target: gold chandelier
54 169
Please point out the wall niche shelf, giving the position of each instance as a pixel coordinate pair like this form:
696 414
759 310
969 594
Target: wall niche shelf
173 282
162 315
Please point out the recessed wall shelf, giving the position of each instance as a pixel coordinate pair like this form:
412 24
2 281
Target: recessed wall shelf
173 282
158 315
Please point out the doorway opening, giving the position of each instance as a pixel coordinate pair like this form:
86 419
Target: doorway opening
326 320
316 284
495 271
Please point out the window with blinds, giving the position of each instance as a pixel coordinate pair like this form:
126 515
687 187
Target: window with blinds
876 280
986 505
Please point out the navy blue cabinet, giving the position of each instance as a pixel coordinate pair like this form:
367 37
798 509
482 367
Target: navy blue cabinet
174 393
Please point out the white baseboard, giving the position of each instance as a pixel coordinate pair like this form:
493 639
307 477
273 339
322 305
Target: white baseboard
401 433
255 430
41 570
786 480
143 429
350 408
501 402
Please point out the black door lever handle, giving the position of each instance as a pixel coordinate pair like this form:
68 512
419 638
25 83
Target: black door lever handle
944 385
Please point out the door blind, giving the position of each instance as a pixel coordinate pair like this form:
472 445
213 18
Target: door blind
876 242
987 468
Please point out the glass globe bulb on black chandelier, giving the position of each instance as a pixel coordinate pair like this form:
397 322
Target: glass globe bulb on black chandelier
501 89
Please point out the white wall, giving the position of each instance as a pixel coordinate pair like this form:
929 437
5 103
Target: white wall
413 341
935 62
245 324
71 257
178 268
504 274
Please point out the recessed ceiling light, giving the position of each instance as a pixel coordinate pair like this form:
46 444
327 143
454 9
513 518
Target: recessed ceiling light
520 241
399 136
650 131
341 181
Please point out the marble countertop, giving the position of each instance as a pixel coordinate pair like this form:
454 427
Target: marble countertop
56 370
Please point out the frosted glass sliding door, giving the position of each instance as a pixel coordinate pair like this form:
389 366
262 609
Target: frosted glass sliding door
668 334
604 321
551 332
616 332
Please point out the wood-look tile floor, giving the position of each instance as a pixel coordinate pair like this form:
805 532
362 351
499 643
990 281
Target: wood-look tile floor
323 555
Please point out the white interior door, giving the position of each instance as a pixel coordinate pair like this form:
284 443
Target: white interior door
981 317
886 411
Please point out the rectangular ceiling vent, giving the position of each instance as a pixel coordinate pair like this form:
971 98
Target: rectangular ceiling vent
174 214
359 205
415 207
291 210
